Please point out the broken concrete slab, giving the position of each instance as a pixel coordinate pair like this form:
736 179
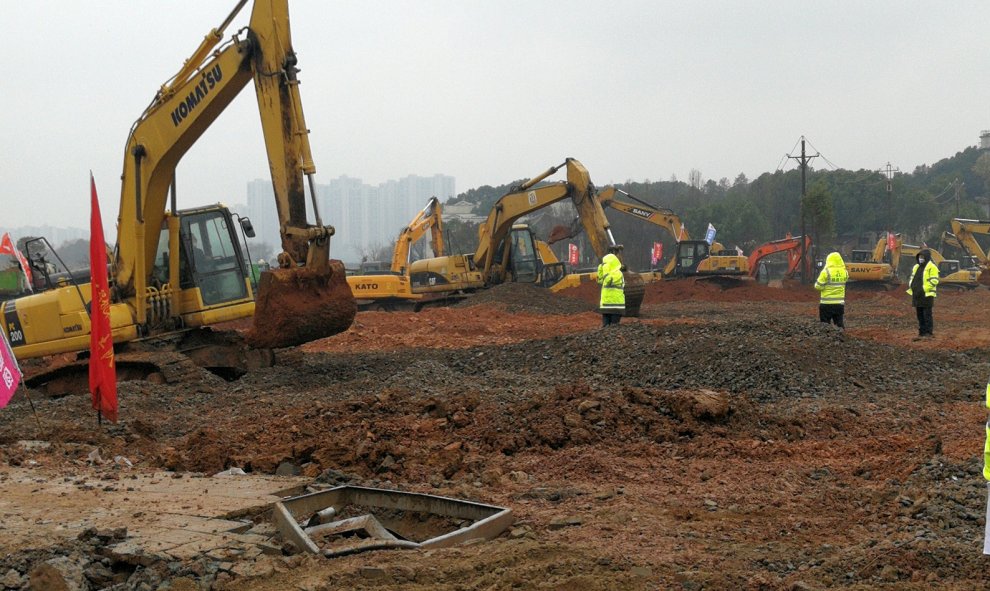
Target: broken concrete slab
482 521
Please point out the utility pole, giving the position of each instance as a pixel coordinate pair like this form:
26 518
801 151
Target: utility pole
888 171
803 161
959 187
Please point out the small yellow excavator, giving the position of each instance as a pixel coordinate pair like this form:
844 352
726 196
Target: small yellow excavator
395 289
508 251
965 232
877 268
693 258
176 271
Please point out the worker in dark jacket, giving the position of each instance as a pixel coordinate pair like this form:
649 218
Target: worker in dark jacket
921 288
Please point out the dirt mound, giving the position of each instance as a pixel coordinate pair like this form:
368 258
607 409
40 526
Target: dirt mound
527 297
678 290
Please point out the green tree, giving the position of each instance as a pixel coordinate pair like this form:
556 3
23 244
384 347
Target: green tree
982 170
819 213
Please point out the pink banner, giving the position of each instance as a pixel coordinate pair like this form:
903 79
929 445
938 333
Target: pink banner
572 254
10 374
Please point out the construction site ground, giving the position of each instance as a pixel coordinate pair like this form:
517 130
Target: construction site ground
724 440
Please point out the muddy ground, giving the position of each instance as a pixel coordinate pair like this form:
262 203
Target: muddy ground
724 440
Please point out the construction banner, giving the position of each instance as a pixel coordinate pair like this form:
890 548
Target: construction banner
710 234
10 374
891 243
657 253
7 247
572 254
102 373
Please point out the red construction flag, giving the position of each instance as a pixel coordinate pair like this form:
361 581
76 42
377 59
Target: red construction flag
7 247
657 253
102 373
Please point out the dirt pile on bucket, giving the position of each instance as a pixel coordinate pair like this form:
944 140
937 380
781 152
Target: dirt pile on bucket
295 306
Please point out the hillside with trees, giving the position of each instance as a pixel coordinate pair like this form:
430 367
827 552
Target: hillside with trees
844 208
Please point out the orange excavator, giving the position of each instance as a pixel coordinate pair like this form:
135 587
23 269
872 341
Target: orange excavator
790 245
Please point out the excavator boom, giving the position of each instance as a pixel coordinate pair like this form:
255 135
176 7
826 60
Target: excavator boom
430 218
294 305
791 245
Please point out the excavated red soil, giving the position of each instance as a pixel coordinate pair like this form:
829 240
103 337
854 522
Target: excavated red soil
725 440
295 306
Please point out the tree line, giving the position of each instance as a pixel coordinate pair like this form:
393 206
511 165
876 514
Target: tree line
844 209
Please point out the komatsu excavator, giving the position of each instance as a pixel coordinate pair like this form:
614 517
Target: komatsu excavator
693 258
177 270
508 252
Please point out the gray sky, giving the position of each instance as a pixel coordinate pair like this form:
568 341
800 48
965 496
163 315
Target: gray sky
493 91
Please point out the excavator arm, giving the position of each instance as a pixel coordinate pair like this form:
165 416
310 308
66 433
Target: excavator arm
179 114
430 219
966 231
527 198
791 245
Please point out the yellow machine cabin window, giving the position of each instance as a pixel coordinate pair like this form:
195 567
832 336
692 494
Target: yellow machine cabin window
217 268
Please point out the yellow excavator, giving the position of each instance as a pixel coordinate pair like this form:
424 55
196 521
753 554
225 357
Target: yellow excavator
693 258
950 243
951 273
179 270
965 232
508 252
877 268
395 289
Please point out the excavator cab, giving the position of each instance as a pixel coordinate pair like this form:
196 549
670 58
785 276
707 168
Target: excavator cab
210 257
524 264
689 255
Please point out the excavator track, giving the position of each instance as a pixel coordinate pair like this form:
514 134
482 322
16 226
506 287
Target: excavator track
173 358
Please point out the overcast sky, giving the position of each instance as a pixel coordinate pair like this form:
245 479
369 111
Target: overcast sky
493 91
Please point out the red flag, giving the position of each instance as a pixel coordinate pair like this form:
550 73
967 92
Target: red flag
102 373
7 247
572 254
891 242
657 253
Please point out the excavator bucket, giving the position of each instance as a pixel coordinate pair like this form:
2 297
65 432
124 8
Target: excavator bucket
635 290
302 304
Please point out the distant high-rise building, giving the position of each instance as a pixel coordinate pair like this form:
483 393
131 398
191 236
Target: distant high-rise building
985 139
366 218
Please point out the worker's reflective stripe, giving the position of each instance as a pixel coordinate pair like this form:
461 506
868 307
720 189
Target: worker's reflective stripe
833 288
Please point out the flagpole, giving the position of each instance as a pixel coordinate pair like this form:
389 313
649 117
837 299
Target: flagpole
33 410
